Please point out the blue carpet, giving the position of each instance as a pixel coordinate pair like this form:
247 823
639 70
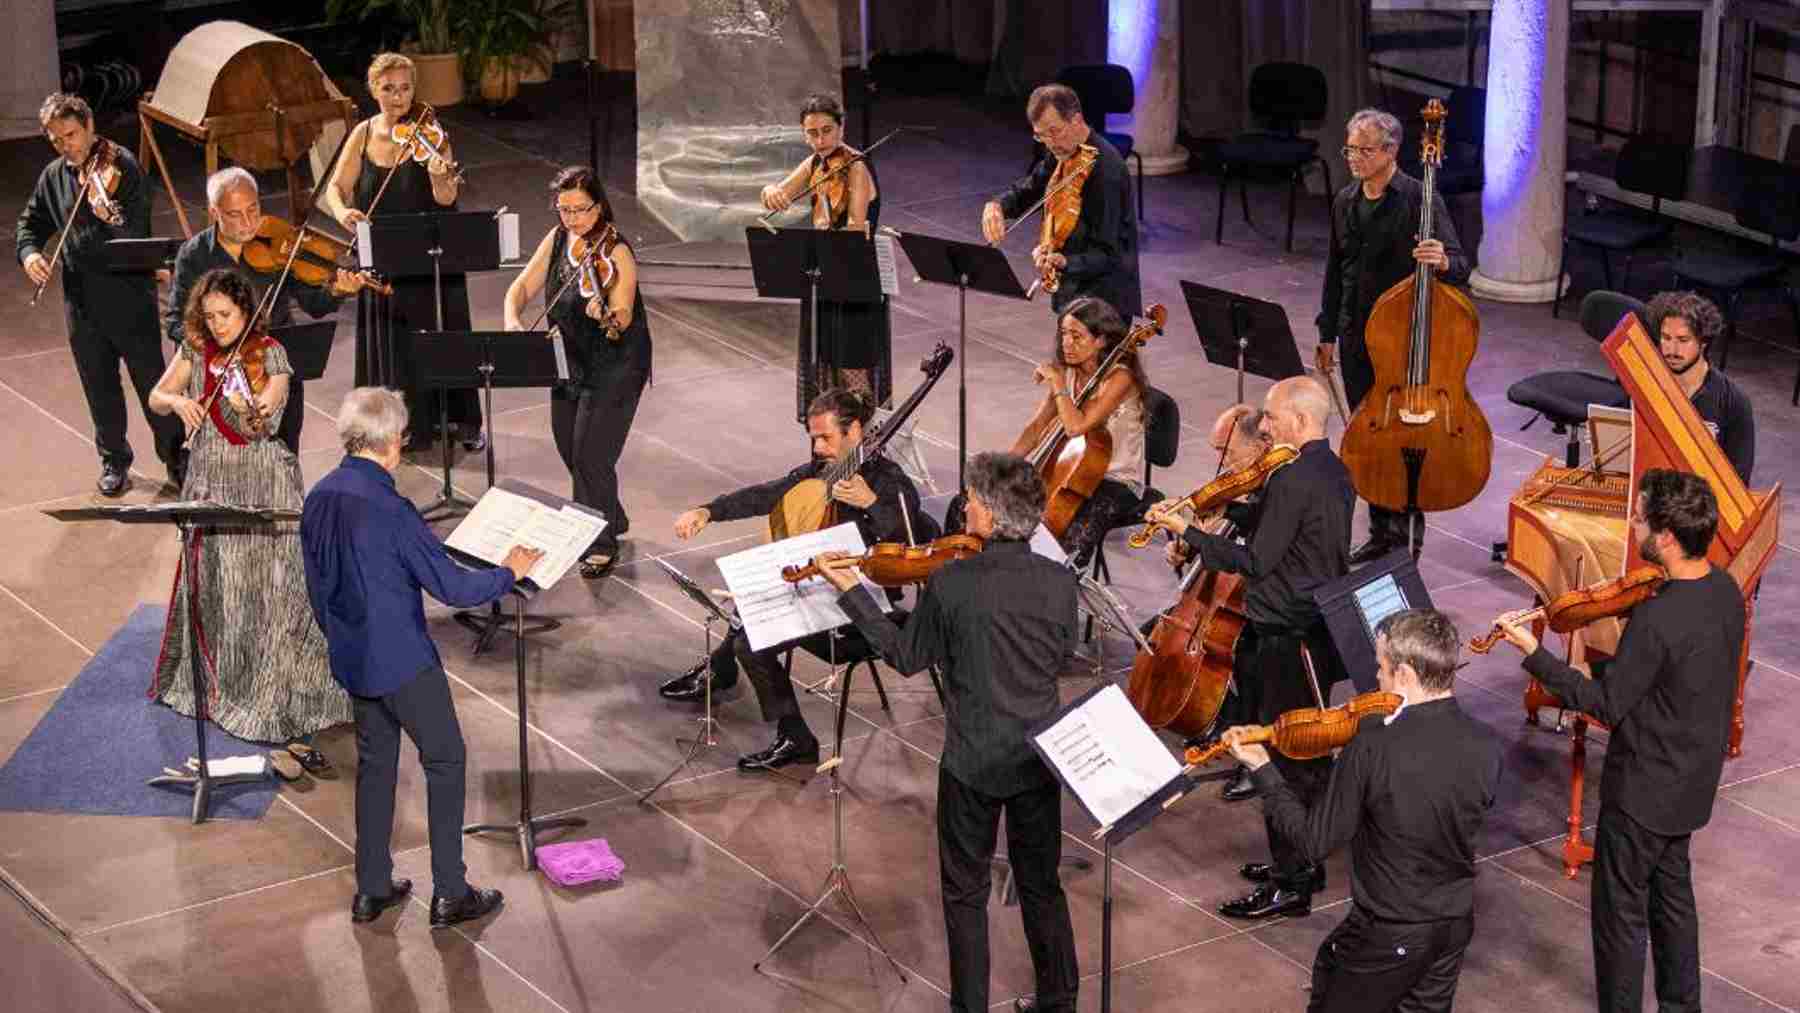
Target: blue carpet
103 738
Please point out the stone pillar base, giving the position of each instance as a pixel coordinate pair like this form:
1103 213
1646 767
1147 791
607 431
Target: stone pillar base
1513 291
1165 163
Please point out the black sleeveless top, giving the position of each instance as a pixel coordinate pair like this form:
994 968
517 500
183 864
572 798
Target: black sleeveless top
840 216
590 352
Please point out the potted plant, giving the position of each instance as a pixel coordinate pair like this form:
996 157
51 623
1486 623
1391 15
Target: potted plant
496 36
536 65
438 77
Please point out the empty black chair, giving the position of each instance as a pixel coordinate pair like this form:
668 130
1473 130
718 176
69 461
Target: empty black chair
1563 396
1465 126
1655 168
1106 88
1766 204
1283 96
1162 442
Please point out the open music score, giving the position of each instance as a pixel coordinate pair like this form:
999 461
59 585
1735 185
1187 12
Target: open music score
504 519
1110 759
774 611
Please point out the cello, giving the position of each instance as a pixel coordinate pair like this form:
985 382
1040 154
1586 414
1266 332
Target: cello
1072 466
1419 442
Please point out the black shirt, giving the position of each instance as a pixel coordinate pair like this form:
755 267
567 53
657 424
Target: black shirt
1371 250
1410 797
1302 540
1001 625
1667 695
593 356
1103 249
881 522
202 253
1726 411
98 301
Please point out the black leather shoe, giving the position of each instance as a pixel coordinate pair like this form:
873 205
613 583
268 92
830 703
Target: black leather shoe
1267 901
690 686
366 908
1371 550
114 479
470 906
784 751
1258 872
474 439
1239 788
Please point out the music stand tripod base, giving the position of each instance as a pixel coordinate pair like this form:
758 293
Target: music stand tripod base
201 785
708 736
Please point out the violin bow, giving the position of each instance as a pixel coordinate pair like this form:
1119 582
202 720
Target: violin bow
1049 192
587 262
62 237
829 175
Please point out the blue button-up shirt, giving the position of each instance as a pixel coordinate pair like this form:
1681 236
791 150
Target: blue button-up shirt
368 555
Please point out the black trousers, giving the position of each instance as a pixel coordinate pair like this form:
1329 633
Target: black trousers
1277 674
967 823
97 351
1389 526
1367 965
424 711
1643 886
590 424
774 684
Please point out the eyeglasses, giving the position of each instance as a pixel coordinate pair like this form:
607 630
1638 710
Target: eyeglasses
573 212
1361 151
1048 134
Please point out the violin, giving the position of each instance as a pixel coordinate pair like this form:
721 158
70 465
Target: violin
1212 497
422 136
591 258
896 564
830 186
1062 209
1309 732
97 179
240 375
315 257
1575 609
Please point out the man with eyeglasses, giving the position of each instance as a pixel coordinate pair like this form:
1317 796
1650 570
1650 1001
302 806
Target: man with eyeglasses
235 207
1374 245
1100 257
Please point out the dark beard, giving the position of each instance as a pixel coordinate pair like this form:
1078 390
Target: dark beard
1684 369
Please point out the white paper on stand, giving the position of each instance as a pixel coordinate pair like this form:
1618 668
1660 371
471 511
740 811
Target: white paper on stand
503 519
1045 544
774 611
886 266
1108 756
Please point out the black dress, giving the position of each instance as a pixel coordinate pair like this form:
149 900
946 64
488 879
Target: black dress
381 319
591 416
855 338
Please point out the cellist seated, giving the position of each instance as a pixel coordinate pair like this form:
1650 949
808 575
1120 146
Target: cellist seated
871 499
1085 332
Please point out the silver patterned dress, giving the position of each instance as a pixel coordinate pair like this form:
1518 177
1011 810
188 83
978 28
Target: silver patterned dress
267 672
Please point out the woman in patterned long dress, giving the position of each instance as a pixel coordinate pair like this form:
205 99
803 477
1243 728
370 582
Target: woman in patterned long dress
267 670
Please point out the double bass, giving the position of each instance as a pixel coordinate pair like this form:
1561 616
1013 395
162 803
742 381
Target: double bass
1418 441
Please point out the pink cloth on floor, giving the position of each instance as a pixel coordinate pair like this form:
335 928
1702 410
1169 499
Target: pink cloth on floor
572 863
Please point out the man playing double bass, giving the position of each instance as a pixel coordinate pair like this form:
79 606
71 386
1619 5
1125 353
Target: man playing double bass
1100 257
1374 222
1302 541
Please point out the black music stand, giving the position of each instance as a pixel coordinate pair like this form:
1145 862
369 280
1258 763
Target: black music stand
141 256
1353 605
708 738
806 263
1243 333
431 243
964 266
188 517
308 346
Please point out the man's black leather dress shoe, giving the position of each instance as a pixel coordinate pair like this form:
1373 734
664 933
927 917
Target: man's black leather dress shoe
786 750
366 908
1267 901
1371 550
1258 872
114 479
690 685
446 912
1240 787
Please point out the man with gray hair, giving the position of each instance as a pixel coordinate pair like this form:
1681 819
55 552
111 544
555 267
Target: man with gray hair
368 555
233 204
1374 222
1409 796
1001 625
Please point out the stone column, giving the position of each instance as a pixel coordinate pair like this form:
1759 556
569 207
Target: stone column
1524 152
34 68
1144 36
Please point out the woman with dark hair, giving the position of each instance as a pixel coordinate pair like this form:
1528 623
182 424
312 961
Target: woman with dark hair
587 268
855 346
267 670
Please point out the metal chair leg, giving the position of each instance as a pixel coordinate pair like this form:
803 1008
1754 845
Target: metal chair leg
1293 194
1140 186
1219 222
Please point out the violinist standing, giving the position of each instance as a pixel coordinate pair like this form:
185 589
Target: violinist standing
1001 625
1667 696
409 180
268 670
235 207
1409 796
110 316
1100 256
587 267
855 346
1374 245
1302 541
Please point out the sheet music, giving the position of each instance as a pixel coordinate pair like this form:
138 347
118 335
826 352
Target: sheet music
562 356
1108 756
886 265
1045 544
365 246
509 235
504 519
774 611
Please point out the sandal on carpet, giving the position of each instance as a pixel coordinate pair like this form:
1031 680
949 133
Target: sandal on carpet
314 761
596 565
285 764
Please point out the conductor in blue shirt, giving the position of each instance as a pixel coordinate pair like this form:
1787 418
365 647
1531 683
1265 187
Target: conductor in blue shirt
368 555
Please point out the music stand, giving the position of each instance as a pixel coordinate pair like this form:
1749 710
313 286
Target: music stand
1243 333
805 263
1104 607
708 738
966 266
141 256
188 517
1353 605
432 243
308 346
